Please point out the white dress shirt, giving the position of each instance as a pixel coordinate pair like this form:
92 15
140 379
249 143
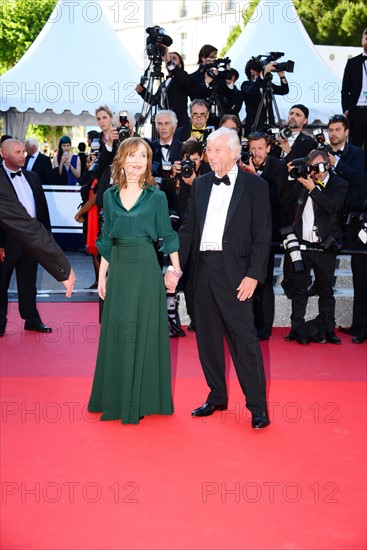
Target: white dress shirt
216 215
23 191
32 160
308 218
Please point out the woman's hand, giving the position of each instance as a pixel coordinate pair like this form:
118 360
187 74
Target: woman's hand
102 287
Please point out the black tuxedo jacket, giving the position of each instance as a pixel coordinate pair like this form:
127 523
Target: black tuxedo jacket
184 132
247 232
328 204
351 162
275 172
302 145
352 82
43 167
29 232
174 154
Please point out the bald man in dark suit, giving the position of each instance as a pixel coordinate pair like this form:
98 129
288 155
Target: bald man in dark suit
17 188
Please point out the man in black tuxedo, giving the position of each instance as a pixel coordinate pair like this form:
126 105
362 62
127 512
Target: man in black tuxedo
275 172
27 187
166 149
348 160
299 144
38 162
354 96
315 204
199 115
228 230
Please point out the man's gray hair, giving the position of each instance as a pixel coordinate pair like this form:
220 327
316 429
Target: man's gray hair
232 140
32 141
169 113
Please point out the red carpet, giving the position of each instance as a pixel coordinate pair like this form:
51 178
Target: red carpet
71 482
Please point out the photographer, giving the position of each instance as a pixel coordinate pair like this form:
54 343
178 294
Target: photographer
173 92
314 203
356 240
207 54
345 159
232 122
178 191
275 172
167 148
123 124
298 144
253 91
199 115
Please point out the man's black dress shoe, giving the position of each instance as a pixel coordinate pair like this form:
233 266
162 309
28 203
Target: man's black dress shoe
349 331
291 336
191 327
260 421
2 331
332 338
37 327
359 338
208 409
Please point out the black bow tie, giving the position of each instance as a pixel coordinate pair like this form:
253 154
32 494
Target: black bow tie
225 179
339 153
364 57
13 174
165 147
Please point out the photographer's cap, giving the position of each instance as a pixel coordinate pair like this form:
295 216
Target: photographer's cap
302 108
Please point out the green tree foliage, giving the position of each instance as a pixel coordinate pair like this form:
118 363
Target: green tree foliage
21 23
328 22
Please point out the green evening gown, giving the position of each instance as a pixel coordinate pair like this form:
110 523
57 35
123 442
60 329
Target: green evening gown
133 371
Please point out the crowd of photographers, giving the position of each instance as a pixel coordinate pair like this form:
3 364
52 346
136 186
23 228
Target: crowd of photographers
318 187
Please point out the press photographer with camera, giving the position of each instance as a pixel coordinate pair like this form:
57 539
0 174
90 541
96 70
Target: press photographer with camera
207 54
122 127
259 78
191 166
346 160
274 171
298 144
173 92
313 201
167 148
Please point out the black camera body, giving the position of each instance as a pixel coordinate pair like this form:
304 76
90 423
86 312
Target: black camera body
359 218
157 36
259 62
222 65
301 168
321 141
187 167
277 133
333 241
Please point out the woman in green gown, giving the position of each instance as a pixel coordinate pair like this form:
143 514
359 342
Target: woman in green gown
133 373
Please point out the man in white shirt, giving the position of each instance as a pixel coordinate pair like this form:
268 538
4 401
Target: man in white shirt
38 162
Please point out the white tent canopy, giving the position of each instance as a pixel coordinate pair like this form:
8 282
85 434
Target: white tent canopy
275 26
76 64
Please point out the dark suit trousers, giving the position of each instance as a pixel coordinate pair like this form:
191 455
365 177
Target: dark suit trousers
219 313
26 275
264 302
323 264
359 270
